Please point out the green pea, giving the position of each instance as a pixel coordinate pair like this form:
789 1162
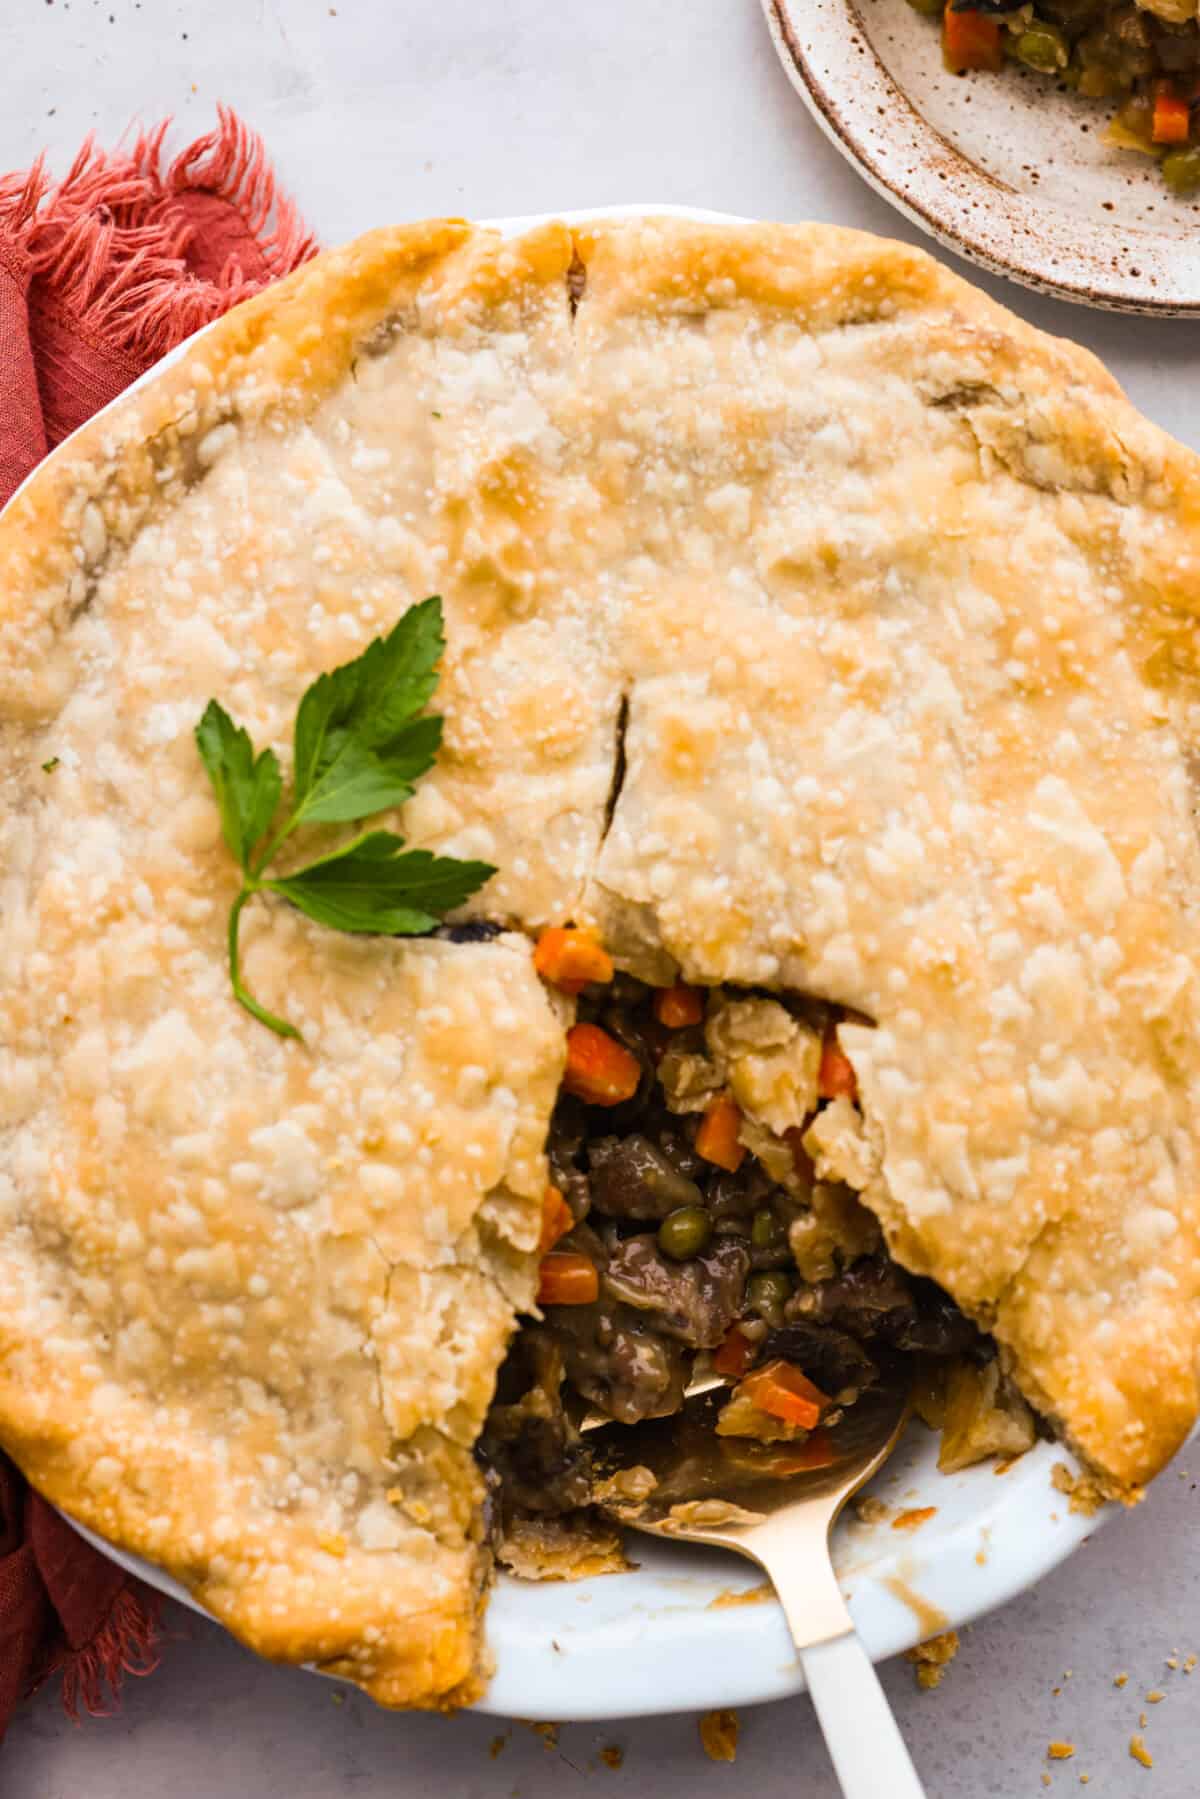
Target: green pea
1044 48
685 1232
764 1229
1181 170
767 1294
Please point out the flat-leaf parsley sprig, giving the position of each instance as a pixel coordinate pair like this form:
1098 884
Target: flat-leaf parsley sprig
360 742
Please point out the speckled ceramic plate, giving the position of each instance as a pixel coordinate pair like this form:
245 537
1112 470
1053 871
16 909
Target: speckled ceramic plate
688 1628
1003 168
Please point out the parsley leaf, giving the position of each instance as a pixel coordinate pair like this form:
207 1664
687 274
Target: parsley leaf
247 788
354 719
369 885
361 741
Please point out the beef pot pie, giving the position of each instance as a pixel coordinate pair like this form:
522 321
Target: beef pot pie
821 652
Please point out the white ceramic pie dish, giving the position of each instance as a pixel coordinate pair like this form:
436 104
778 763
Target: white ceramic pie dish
1002 168
666 1637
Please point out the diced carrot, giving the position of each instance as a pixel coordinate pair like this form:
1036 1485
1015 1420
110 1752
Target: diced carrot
971 40
717 1137
783 1392
678 1006
569 958
1172 115
599 1069
836 1079
732 1357
801 1160
557 1219
566 1278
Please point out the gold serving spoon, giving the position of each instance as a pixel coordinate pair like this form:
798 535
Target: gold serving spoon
776 1503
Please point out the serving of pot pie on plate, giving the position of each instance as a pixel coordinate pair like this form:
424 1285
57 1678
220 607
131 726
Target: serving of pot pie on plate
820 682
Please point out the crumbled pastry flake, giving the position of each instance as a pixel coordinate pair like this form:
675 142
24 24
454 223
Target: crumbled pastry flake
932 1658
871 1510
629 1486
1086 1496
836 1228
704 1514
549 1733
984 1415
688 1080
612 1756
768 1058
840 1149
1139 1751
574 1547
1060 1752
719 1735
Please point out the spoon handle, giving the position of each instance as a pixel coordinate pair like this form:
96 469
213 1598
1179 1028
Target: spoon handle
862 1736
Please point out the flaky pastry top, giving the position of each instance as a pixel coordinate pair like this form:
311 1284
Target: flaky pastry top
881 607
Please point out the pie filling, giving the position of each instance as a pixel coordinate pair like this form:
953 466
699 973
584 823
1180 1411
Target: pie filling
1149 64
707 1152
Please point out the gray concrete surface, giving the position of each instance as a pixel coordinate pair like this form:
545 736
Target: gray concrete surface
381 110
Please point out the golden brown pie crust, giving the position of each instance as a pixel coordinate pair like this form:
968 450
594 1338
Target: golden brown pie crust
898 597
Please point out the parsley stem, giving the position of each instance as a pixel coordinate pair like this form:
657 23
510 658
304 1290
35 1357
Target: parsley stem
279 1025
273 847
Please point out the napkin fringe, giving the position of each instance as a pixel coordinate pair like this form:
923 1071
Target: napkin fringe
110 240
126 1643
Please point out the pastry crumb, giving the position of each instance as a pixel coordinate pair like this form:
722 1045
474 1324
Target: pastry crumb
1119 1680
1142 1720
1139 1751
1045 1779
870 1510
547 1732
496 1745
931 1658
1085 1497
719 1735
1155 1696
1189 1664
1060 1752
612 1755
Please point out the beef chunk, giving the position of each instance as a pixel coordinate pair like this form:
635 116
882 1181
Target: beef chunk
617 1361
632 1178
695 1301
876 1301
829 1357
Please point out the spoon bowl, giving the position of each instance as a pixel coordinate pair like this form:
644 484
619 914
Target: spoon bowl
776 1502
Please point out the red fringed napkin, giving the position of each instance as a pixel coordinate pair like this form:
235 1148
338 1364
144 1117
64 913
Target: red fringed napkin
100 275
